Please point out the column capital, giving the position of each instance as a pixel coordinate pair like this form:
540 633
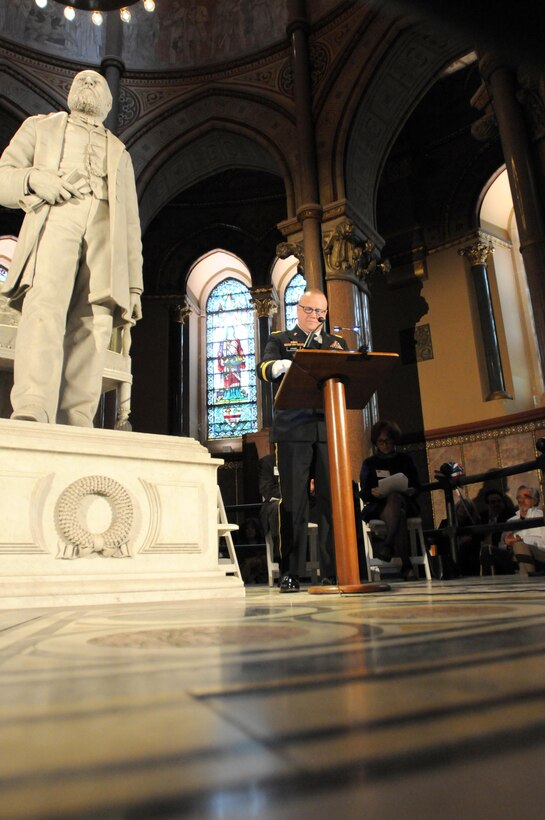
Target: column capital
180 312
285 249
477 253
310 210
346 252
264 302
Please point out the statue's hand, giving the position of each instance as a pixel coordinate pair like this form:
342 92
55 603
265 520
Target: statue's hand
136 307
51 187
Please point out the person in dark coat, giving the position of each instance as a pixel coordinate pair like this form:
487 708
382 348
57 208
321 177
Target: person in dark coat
300 442
392 507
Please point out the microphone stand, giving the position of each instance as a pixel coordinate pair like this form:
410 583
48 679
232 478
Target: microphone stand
313 333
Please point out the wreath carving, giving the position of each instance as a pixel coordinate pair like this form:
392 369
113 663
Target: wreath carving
110 543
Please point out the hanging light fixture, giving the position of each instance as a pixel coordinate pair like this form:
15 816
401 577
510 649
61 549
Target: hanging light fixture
99 7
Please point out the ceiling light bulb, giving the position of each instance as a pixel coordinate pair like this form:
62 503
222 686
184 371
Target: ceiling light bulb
149 5
69 12
97 18
125 15
41 3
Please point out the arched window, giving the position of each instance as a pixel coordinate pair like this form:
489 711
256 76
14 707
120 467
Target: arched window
231 394
292 294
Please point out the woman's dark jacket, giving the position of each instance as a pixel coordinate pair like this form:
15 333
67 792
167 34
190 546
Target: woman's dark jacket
397 463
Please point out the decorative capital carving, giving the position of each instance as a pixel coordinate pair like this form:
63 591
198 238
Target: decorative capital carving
180 313
264 303
531 96
285 249
486 127
477 253
346 252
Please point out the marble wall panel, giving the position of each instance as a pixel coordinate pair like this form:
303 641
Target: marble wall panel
515 449
478 457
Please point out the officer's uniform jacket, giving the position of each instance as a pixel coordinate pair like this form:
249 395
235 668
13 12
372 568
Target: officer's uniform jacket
299 424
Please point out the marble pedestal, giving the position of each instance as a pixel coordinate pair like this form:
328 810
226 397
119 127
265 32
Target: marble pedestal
103 516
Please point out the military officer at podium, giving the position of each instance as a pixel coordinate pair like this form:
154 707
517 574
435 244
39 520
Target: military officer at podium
300 442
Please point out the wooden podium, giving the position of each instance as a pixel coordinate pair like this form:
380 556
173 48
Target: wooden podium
337 381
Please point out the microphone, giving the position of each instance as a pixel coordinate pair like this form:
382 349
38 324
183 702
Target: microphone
313 333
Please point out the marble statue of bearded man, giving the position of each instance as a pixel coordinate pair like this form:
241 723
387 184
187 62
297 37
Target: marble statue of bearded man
77 267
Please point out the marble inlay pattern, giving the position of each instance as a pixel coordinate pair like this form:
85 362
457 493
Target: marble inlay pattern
424 701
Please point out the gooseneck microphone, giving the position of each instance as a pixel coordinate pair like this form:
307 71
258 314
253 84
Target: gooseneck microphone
313 333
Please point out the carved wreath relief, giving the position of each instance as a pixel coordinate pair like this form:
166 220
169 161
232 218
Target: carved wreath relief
77 540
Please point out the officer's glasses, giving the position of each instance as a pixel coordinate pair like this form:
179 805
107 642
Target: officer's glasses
309 310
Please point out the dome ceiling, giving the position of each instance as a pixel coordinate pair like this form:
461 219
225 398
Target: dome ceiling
178 35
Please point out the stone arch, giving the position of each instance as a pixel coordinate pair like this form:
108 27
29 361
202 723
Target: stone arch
22 95
380 109
211 152
178 146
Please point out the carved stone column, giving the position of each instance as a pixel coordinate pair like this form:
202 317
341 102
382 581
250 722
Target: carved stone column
477 254
310 211
178 370
265 306
529 207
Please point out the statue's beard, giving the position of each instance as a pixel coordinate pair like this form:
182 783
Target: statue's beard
85 102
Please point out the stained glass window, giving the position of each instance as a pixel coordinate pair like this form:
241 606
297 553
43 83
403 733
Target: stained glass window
292 294
231 391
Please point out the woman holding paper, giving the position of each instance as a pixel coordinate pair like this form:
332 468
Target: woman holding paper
388 485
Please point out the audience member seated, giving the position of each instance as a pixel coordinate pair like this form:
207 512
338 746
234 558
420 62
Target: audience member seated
528 546
468 544
393 506
496 485
495 559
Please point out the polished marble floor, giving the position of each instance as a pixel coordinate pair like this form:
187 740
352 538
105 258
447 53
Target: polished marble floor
426 701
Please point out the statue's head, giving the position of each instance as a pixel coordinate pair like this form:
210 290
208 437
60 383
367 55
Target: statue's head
89 94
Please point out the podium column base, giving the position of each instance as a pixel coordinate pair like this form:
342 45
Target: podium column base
349 589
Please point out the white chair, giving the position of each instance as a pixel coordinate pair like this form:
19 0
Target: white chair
312 566
418 552
224 531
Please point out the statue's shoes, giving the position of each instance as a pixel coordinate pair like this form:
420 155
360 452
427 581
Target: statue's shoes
31 412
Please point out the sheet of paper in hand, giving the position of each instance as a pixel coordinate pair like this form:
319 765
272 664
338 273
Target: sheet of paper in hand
397 483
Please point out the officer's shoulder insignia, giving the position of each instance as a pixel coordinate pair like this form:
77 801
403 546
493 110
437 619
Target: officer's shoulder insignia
276 332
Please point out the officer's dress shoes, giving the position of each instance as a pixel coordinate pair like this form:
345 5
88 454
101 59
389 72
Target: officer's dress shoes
289 583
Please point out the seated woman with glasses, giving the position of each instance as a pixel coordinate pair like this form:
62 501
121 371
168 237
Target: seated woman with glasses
391 505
